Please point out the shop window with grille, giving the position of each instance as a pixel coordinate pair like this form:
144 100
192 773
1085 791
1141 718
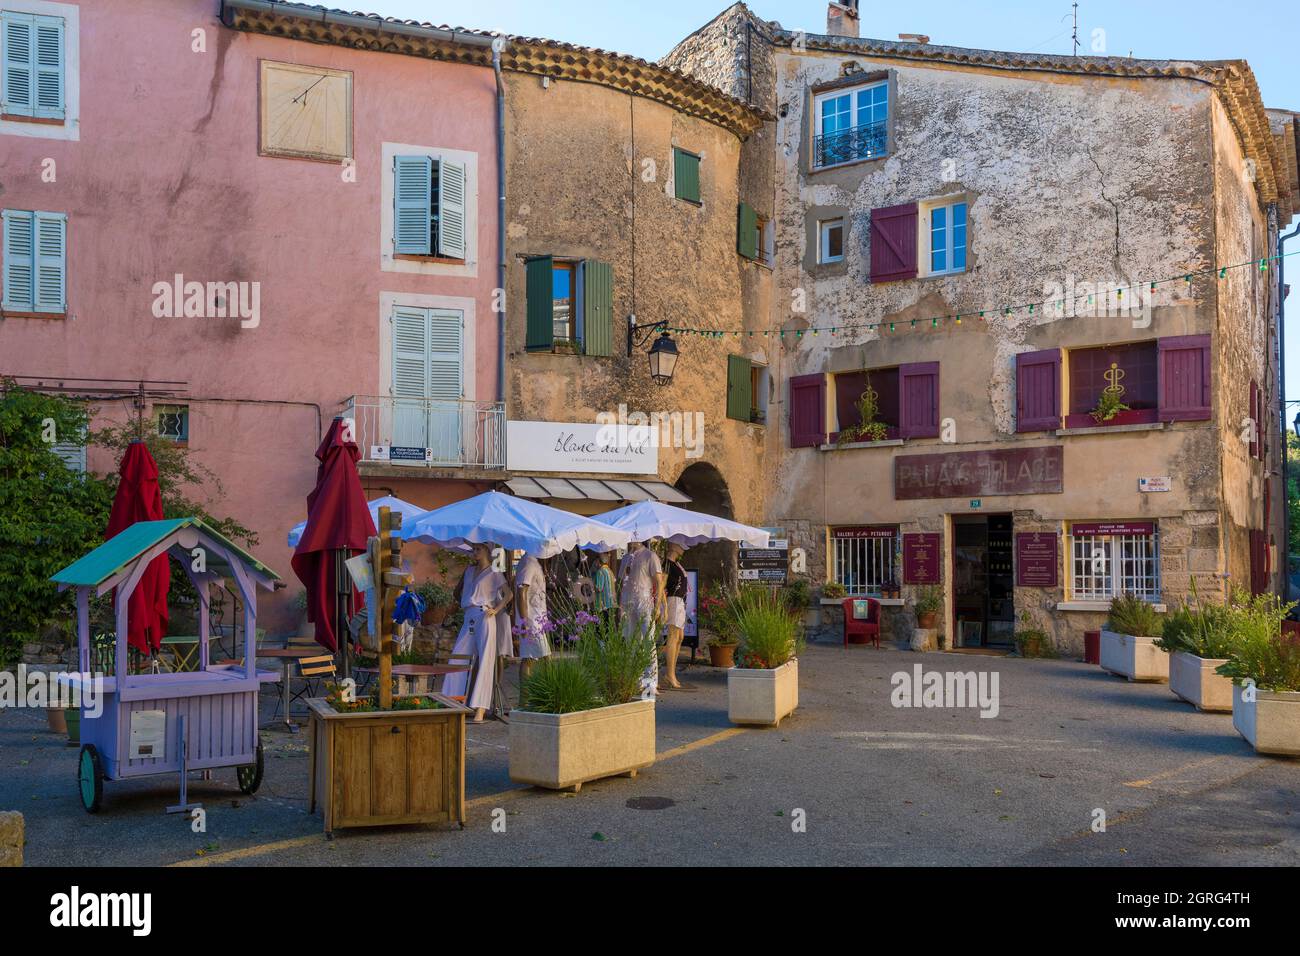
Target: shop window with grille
863 559
1108 559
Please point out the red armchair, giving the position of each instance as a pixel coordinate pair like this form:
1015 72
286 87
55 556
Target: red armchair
862 630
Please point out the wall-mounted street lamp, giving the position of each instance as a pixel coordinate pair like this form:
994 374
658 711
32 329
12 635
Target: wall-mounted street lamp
663 354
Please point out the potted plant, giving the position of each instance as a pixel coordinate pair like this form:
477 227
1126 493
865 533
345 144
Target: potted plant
583 717
712 618
1128 641
867 429
834 591
927 604
1198 638
437 599
763 687
1033 641
1264 666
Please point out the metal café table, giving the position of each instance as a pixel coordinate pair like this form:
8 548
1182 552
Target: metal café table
287 656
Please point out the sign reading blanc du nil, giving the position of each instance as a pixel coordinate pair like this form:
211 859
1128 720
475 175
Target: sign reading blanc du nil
581 447
975 474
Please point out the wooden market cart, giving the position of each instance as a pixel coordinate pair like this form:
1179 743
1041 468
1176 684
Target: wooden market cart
156 723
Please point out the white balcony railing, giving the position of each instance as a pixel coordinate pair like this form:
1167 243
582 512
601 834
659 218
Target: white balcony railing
426 432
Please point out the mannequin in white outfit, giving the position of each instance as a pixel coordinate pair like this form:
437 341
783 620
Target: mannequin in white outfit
484 596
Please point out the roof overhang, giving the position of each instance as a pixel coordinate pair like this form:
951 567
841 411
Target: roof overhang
614 490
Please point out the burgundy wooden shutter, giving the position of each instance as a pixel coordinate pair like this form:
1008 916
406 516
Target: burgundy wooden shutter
893 243
1038 391
918 400
807 410
1184 374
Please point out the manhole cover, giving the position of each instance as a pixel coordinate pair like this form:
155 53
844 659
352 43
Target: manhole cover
650 803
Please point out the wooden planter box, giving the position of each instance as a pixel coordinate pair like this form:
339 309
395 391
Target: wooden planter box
1193 679
564 751
388 767
1271 722
1136 658
762 696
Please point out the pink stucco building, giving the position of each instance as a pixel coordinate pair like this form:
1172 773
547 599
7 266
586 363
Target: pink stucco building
255 233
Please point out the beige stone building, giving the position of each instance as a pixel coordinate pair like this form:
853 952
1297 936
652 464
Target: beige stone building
1024 320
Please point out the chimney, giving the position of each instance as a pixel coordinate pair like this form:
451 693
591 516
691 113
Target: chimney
842 19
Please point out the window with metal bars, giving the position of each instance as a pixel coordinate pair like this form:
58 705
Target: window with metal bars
1104 566
864 562
173 422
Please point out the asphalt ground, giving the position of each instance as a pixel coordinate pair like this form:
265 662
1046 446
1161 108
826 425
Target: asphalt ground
849 779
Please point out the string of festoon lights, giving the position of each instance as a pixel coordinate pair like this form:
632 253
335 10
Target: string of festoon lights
979 315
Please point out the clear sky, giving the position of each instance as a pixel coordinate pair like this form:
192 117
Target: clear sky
1264 32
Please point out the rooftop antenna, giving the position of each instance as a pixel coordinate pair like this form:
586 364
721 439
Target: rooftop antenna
1075 37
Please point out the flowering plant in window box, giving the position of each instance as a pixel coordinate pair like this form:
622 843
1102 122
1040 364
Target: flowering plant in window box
1108 407
867 429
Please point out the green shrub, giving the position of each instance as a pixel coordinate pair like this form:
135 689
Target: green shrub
1129 614
929 599
1260 651
834 591
1203 629
434 594
614 661
770 634
797 595
559 685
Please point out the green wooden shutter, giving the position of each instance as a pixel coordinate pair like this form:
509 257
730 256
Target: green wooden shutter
413 205
686 175
747 231
539 289
19 38
740 391
451 209
18 260
598 308
49 67
51 261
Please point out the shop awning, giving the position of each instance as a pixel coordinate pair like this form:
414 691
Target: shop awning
598 489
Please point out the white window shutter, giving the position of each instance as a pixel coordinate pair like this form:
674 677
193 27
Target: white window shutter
410 352
413 205
451 209
72 454
49 67
19 39
51 262
18 264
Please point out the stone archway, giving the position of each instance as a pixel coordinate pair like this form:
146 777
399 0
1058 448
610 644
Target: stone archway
707 489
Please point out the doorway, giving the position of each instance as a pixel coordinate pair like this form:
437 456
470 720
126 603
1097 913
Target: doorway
983 591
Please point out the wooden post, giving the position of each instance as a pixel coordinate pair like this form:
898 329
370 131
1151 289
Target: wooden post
383 616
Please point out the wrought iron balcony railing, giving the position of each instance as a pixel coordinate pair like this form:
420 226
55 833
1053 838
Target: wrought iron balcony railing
847 145
428 432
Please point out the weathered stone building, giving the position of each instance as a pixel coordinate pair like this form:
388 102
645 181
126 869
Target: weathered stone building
623 186
999 251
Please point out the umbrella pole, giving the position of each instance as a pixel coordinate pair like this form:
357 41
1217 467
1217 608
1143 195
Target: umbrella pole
342 613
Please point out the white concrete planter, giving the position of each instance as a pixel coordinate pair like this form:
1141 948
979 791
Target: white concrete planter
1193 679
1136 658
762 696
1271 722
564 751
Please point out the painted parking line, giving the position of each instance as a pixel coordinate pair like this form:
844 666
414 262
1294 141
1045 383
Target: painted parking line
1193 765
316 839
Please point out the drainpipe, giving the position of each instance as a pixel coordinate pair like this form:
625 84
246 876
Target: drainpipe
1286 456
498 44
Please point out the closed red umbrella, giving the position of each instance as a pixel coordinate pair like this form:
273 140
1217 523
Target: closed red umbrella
338 526
138 498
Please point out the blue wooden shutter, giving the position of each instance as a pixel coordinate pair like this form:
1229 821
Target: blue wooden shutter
413 205
451 209
51 261
598 308
49 67
918 400
1184 378
1038 391
19 38
539 291
18 260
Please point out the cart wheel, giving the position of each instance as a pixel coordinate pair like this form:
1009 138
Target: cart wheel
90 778
250 775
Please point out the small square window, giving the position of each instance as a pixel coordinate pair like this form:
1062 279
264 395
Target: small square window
830 246
173 422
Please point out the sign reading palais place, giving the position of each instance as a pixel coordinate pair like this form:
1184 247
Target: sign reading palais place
975 474
581 447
